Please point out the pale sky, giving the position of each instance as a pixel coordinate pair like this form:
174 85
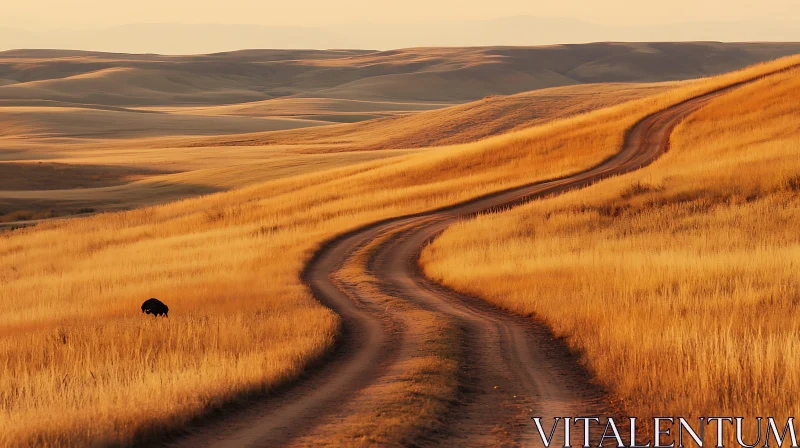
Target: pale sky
202 26
78 14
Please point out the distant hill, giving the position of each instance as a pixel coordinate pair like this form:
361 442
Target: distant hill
417 74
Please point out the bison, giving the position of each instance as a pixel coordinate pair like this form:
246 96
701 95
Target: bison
155 307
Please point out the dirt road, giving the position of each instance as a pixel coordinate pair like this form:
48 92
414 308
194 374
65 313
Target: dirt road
508 368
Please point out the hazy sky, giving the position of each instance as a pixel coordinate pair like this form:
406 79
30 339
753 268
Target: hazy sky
202 26
50 14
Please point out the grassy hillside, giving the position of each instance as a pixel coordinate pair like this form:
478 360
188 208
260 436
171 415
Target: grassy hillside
82 144
82 366
417 74
168 116
91 123
462 123
678 283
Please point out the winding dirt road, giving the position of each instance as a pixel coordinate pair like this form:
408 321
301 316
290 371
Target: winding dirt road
395 320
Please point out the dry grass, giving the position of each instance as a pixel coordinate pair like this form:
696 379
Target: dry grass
100 150
464 123
79 363
678 283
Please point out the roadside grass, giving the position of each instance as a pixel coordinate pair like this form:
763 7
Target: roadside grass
678 283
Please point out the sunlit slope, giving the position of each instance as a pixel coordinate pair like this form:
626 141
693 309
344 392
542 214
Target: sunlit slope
149 112
678 283
86 123
456 124
335 110
83 365
95 188
410 126
179 167
417 74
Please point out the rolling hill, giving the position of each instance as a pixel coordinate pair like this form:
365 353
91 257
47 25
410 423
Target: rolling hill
199 124
133 164
417 74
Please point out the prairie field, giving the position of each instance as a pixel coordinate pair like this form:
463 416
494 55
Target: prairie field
676 283
193 125
68 162
79 364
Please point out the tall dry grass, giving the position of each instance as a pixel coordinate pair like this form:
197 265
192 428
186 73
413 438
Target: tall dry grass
79 364
678 283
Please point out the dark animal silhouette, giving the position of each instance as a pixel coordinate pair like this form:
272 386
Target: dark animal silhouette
155 307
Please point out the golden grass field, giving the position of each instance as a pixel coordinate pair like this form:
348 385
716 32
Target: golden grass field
677 283
80 365
145 168
271 110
